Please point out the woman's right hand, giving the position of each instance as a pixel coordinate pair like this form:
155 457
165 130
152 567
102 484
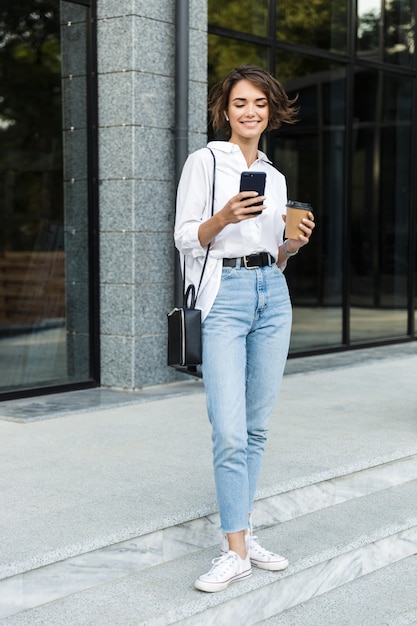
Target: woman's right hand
238 209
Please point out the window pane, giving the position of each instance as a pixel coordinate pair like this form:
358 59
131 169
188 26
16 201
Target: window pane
37 261
399 33
415 298
245 16
368 26
225 54
311 155
320 24
380 208
385 31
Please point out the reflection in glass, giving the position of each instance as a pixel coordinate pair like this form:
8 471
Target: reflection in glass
321 24
225 54
399 33
376 180
380 208
415 298
385 31
35 258
368 25
246 16
311 155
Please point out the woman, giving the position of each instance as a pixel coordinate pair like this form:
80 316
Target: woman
244 299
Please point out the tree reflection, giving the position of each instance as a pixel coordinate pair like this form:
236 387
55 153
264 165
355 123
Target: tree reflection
246 16
399 32
387 34
318 23
30 119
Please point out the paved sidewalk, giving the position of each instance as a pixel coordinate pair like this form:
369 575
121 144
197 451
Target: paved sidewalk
73 480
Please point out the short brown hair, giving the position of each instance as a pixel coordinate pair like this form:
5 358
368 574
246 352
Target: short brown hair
281 108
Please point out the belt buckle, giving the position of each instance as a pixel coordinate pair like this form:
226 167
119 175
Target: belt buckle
249 267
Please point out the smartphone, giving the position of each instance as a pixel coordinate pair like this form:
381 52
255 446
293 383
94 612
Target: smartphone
253 181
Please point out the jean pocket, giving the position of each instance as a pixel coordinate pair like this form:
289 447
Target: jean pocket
228 272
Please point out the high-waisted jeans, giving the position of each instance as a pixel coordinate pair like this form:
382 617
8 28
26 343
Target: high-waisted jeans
245 346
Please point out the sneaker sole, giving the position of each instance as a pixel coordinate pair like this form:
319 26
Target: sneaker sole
203 585
275 566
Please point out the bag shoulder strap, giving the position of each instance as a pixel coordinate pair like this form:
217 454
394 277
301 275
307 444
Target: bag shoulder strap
192 292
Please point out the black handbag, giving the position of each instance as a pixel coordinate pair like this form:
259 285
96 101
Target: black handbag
184 333
184 323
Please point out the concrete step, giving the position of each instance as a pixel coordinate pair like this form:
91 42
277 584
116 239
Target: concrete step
386 597
307 494
99 501
178 540
87 480
327 548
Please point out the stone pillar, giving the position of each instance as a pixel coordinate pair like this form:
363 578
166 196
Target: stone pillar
136 169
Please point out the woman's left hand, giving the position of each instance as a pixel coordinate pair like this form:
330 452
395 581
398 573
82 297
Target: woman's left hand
307 226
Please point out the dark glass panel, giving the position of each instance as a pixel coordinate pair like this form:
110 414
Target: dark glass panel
245 16
380 167
415 297
399 32
312 77
38 330
386 31
311 155
366 96
225 54
380 209
397 99
368 31
321 24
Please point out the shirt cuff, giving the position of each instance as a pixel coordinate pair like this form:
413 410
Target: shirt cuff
188 242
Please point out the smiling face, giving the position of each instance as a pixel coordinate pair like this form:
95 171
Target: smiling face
248 112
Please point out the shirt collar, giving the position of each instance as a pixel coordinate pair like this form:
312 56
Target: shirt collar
228 148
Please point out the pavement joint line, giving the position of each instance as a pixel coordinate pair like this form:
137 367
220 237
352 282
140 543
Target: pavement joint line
53 406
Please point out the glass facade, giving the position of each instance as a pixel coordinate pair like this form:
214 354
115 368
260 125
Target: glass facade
352 156
46 163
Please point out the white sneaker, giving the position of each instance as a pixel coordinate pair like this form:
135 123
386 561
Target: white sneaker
226 569
259 556
264 559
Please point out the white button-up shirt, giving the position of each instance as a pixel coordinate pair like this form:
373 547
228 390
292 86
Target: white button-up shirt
263 233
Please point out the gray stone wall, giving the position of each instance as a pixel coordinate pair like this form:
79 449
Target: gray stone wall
136 62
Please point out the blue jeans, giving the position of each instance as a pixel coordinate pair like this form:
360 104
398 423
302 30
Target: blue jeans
245 346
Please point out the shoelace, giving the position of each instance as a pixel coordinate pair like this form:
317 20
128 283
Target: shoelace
258 547
220 560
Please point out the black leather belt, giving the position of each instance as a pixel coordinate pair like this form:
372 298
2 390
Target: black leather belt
251 261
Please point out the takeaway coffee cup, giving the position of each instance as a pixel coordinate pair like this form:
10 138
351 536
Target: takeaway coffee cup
296 211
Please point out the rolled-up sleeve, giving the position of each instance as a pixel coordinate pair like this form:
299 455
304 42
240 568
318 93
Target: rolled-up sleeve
193 202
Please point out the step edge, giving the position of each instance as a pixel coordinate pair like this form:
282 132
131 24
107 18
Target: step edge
210 603
51 557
